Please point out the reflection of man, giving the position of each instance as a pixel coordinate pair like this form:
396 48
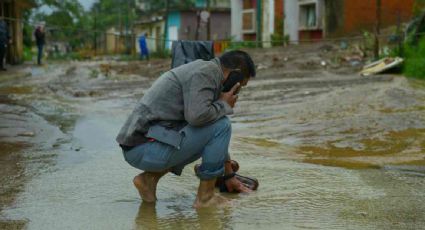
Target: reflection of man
182 118
40 39
150 218
144 52
4 40
147 217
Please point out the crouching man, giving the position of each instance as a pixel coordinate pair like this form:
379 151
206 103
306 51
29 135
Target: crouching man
182 118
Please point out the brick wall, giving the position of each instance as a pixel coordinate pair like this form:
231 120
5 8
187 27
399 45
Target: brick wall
359 15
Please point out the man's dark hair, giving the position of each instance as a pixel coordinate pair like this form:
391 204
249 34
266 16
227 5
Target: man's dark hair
237 59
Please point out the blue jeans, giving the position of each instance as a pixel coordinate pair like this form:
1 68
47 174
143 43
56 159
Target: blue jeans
40 54
144 56
211 143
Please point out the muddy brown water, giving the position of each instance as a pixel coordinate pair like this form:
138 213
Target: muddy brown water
330 152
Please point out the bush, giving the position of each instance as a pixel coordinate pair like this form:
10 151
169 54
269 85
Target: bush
160 54
28 54
127 58
277 39
235 45
414 63
65 57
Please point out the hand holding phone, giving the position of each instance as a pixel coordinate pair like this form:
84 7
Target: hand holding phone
233 78
231 97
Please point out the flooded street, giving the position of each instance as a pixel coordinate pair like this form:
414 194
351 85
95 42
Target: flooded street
331 149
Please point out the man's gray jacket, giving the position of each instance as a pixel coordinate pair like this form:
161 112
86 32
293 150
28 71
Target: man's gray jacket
187 94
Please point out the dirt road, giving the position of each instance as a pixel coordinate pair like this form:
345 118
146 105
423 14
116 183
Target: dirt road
331 149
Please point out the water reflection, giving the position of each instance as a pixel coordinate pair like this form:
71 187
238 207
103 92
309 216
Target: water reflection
148 217
214 218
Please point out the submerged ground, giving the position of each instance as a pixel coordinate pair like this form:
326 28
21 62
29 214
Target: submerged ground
331 149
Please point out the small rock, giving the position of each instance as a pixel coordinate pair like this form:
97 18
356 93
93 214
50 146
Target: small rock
27 134
343 45
323 63
355 63
364 214
79 94
261 66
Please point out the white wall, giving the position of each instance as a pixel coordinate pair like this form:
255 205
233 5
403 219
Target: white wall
268 21
236 19
291 11
272 15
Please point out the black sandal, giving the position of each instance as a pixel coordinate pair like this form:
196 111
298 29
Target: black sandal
249 182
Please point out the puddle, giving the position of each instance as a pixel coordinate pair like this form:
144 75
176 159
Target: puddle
328 153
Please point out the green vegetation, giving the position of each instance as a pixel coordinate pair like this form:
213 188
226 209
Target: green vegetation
161 54
65 57
278 38
414 64
233 45
66 21
28 54
83 31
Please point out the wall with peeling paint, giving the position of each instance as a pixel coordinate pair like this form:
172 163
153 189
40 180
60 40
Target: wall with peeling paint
336 18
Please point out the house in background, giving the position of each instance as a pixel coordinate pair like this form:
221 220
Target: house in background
192 25
153 24
252 17
317 19
312 19
12 11
185 23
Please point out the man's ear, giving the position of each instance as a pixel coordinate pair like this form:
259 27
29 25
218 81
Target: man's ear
226 73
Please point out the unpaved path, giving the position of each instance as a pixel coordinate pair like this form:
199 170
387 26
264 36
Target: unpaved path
318 136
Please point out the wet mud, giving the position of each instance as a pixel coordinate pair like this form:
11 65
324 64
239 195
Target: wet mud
331 149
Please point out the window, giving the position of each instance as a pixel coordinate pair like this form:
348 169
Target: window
248 21
308 17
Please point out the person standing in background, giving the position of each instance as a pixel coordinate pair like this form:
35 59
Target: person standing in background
40 39
4 40
144 52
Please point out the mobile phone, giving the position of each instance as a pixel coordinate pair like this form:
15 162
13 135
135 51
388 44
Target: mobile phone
233 78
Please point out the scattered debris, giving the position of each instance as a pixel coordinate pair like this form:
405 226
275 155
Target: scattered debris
381 66
26 134
105 69
354 60
326 48
355 63
364 214
343 45
261 66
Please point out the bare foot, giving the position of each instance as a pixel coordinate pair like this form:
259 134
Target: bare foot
215 200
146 184
207 196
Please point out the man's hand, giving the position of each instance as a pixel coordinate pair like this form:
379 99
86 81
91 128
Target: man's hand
234 185
231 97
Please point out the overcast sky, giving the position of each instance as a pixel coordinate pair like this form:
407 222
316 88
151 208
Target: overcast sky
87 3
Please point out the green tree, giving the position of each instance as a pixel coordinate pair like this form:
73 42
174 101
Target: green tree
66 22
